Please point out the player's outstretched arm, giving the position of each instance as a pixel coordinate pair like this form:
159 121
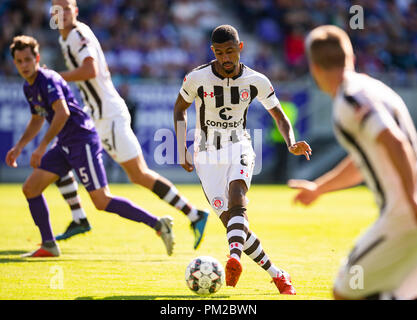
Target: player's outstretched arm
297 148
343 176
61 116
88 70
402 157
180 125
32 129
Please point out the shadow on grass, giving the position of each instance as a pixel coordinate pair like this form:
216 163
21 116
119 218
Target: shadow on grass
145 297
64 258
11 252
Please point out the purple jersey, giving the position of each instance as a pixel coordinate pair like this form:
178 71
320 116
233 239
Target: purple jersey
49 87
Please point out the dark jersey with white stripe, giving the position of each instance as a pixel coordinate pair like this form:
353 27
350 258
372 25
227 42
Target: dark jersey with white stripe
363 108
99 93
222 103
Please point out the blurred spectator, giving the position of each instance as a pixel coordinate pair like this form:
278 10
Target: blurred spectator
164 39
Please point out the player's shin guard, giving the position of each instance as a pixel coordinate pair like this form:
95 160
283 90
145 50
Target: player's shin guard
254 250
170 194
68 188
40 214
237 230
128 210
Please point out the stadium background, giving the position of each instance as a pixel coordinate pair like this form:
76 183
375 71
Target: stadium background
150 45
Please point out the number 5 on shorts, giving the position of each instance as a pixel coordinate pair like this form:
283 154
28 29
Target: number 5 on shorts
83 175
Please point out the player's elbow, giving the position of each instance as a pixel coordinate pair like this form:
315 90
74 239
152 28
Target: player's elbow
89 69
93 72
90 72
64 114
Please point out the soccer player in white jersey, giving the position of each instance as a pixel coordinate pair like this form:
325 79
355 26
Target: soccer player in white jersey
223 154
373 124
88 68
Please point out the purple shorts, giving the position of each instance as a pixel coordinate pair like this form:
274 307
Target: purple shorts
84 158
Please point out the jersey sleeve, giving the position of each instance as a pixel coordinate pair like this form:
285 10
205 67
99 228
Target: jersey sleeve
266 93
370 117
188 89
54 91
81 47
377 120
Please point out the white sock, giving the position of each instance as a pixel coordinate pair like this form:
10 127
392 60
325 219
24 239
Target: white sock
68 188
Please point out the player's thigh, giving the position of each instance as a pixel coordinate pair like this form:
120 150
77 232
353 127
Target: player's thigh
56 161
237 193
239 176
37 182
87 162
380 261
53 165
118 139
101 197
213 179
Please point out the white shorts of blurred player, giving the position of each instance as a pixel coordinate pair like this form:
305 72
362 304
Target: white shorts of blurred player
118 139
218 168
384 258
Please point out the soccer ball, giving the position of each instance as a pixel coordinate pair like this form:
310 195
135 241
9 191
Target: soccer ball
204 275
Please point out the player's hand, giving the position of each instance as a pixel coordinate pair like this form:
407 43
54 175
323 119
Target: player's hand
308 191
301 148
187 165
12 155
35 159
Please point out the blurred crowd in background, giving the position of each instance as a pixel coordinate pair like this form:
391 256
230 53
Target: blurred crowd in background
164 39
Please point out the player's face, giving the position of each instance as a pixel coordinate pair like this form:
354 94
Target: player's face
228 55
317 74
26 63
69 13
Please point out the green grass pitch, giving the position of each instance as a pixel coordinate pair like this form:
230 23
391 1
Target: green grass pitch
120 259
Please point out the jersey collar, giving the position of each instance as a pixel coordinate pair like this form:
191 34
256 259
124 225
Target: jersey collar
213 69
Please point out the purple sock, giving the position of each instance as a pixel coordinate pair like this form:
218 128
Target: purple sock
128 210
40 214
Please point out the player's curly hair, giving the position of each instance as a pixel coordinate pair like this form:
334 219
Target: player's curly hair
224 33
22 42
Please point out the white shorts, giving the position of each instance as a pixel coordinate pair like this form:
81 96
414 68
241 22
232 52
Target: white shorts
118 139
382 259
217 168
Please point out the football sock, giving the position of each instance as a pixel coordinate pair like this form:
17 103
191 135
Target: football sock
253 249
40 214
128 210
170 194
237 230
68 188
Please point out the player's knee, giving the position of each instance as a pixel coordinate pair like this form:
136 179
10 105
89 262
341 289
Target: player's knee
237 194
237 197
224 217
337 296
29 190
100 205
101 201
